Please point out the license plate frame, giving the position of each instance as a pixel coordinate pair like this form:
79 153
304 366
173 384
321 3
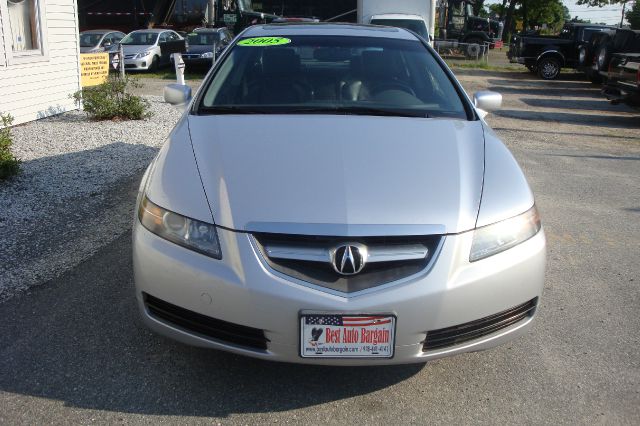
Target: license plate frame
355 344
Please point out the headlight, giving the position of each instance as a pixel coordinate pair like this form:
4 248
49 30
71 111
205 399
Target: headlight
207 55
498 237
189 233
143 54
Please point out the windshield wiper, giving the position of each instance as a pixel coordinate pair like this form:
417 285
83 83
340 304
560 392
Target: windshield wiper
214 110
336 110
359 110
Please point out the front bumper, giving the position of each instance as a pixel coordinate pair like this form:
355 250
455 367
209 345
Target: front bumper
198 62
243 290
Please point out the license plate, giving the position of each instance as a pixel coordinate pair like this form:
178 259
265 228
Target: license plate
347 336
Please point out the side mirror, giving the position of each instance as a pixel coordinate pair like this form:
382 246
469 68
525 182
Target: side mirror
177 94
487 101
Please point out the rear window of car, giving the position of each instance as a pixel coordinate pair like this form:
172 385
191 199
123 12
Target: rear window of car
332 74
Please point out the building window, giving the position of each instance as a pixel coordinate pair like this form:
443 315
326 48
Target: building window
24 25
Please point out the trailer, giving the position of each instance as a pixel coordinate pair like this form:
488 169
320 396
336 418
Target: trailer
415 15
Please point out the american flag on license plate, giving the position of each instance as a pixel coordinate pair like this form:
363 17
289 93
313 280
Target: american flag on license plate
346 321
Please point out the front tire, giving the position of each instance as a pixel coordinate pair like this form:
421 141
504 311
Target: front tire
474 48
548 68
155 64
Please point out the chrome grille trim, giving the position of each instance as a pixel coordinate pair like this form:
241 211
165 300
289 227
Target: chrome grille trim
375 253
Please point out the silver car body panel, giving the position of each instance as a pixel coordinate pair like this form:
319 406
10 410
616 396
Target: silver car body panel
174 181
506 192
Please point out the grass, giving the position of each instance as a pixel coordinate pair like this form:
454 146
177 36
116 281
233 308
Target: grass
481 65
168 75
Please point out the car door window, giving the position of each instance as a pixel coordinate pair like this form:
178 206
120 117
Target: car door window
588 32
163 38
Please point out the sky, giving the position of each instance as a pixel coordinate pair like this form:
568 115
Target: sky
608 14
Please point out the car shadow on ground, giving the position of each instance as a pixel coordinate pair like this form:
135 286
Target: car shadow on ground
549 132
82 342
542 90
576 82
608 121
575 104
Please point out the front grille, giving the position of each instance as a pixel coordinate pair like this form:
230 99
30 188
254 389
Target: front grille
457 334
203 325
323 274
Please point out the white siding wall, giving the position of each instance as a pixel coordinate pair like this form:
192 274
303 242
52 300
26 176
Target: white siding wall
40 88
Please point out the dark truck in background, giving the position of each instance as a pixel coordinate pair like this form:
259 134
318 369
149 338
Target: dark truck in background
622 40
547 55
623 79
457 21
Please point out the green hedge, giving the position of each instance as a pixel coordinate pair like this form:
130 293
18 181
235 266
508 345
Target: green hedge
9 164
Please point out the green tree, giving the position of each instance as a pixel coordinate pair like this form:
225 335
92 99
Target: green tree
538 12
633 16
478 7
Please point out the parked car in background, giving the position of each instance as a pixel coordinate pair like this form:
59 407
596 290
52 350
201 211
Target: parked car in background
623 41
332 196
200 44
142 49
623 79
547 55
97 41
587 54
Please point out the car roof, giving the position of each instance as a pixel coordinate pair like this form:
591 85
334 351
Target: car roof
100 31
327 29
152 30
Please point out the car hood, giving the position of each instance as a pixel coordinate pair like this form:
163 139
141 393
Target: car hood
340 175
136 48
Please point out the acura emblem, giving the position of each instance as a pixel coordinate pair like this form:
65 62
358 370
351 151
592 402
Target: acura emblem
349 259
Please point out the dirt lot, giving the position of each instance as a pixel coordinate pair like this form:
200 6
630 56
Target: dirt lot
74 350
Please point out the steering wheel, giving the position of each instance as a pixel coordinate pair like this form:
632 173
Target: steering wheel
393 85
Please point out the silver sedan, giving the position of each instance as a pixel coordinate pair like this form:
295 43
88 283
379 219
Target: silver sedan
332 196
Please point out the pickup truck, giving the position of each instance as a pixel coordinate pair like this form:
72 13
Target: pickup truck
547 55
623 79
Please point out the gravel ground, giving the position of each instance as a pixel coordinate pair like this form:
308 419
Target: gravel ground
61 209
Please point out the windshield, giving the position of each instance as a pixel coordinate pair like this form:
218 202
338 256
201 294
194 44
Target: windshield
90 39
414 25
334 75
140 38
202 39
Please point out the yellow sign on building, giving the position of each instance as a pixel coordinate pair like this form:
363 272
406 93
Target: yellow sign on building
94 68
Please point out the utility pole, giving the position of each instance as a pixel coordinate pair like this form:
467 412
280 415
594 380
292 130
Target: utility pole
622 18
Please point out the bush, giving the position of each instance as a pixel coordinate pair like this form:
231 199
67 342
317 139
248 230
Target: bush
9 164
110 101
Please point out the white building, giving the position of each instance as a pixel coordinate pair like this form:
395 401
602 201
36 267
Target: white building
39 57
